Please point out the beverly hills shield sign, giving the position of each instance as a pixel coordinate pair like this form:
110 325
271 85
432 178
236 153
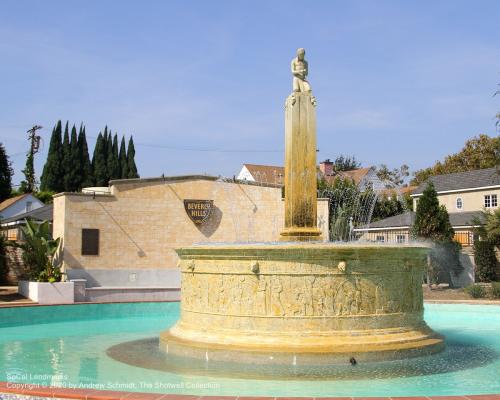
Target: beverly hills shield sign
198 210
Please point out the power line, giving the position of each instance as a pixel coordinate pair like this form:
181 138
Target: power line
199 149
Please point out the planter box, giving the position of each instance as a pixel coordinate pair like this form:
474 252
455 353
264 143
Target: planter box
48 293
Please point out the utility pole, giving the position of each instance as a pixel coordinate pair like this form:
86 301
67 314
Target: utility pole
29 171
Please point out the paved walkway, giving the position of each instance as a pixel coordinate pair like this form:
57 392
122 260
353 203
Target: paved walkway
9 296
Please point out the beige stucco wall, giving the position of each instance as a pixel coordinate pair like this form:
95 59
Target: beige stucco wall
142 222
471 200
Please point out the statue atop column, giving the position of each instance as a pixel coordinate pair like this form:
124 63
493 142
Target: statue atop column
300 158
299 69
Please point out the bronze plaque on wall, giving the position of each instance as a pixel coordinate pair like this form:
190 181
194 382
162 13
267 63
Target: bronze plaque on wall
198 210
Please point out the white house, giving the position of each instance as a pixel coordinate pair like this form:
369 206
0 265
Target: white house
19 205
262 174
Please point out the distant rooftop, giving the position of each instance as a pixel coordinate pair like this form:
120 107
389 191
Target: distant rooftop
266 173
39 214
407 219
355 174
276 175
8 202
462 180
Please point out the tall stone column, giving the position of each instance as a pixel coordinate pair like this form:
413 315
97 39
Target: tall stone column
300 169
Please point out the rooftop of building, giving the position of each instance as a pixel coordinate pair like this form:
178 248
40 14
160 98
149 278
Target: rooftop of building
44 213
12 200
270 174
479 178
406 220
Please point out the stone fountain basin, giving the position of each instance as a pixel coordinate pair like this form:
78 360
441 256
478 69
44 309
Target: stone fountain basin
307 303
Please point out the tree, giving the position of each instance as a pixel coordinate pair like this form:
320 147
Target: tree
485 260
99 162
87 178
488 226
46 197
345 163
497 116
28 184
113 163
66 159
488 236
72 167
431 219
122 156
393 178
132 169
107 142
387 206
52 176
478 153
432 222
6 173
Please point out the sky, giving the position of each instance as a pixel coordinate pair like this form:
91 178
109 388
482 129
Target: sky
201 85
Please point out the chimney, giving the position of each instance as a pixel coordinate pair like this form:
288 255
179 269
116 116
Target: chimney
326 167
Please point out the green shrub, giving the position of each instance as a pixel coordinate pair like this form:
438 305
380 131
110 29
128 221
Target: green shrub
39 251
495 290
476 291
486 260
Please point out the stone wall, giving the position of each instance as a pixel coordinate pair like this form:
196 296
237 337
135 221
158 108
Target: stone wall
142 221
16 270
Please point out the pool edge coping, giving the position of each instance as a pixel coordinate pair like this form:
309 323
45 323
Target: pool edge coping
8 305
93 394
483 302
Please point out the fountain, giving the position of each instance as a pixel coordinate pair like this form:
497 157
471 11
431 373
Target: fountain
300 301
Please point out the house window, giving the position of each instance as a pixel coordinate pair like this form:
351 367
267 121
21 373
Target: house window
400 238
13 234
29 206
90 242
380 239
490 200
460 203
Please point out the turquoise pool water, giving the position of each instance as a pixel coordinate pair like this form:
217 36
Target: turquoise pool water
66 346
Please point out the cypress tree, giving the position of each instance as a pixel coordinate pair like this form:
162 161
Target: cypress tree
73 177
6 173
116 158
105 151
132 169
86 168
432 220
52 175
66 159
122 156
112 161
99 162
